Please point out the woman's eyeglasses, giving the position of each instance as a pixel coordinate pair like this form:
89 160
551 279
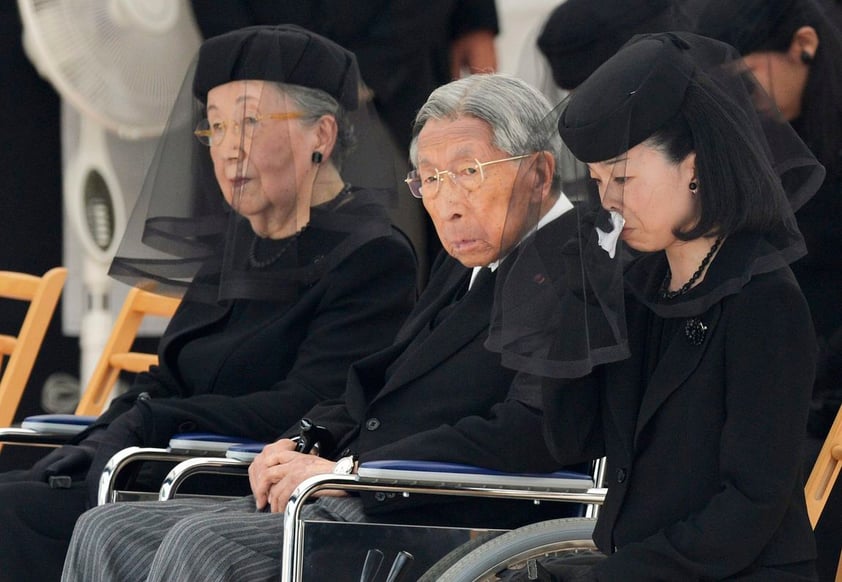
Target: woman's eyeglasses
211 133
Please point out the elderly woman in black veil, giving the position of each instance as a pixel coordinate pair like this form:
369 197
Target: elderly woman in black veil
289 273
701 421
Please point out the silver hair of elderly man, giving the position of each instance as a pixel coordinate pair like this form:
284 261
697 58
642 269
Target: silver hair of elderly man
519 115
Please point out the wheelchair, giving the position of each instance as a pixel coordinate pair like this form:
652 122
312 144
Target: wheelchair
439 546
482 555
476 555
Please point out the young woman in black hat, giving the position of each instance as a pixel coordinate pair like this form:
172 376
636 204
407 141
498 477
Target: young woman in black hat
702 422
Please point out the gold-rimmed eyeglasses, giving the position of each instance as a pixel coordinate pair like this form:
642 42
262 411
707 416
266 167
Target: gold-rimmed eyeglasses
211 133
469 175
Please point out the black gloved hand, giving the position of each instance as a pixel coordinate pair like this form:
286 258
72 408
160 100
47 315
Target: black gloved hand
63 465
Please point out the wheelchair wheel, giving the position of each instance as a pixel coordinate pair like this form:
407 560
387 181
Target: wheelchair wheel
503 556
434 574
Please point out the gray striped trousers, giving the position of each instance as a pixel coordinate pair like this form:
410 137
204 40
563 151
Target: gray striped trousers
185 540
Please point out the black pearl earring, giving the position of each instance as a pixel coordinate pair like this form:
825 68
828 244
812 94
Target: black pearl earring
806 57
317 157
693 186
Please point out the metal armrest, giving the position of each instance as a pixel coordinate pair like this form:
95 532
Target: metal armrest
293 547
182 447
32 438
197 466
46 430
107 492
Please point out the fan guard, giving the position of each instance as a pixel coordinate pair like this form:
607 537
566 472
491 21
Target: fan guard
120 62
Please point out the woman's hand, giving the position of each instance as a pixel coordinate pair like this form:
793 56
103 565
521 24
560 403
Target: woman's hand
279 469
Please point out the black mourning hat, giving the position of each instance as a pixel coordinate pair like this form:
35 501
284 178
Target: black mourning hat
286 54
635 93
580 35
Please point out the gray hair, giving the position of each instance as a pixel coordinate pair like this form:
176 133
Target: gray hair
315 103
519 115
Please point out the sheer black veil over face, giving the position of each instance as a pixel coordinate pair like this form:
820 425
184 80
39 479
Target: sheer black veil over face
278 193
558 309
561 311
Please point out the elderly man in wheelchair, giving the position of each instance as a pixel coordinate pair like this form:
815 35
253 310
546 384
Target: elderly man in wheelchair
488 172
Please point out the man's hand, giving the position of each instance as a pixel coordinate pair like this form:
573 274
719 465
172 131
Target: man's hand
472 53
279 469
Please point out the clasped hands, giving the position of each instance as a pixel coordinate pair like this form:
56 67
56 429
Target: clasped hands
279 469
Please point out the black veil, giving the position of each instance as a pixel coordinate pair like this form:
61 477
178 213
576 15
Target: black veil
559 309
260 97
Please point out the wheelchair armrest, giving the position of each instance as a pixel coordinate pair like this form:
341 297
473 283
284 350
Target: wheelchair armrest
182 446
29 437
235 464
58 424
188 468
436 473
204 444
431 478
46 430
245 452
106 493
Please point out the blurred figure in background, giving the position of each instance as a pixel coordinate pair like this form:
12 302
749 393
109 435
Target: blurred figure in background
580 35
795 51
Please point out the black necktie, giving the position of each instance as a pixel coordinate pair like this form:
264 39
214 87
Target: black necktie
480 280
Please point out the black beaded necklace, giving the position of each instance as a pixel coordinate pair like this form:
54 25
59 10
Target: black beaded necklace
665 293
263 263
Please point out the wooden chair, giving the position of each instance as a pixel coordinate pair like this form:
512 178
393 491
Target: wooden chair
117 356
823 476
18 353
825 471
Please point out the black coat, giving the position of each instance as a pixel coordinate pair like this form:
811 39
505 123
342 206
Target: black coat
438 394
267 363
247 368
704 456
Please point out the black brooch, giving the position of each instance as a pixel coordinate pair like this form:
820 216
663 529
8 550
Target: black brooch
695 331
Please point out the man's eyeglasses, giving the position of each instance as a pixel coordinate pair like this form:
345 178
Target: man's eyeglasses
469 175
211 133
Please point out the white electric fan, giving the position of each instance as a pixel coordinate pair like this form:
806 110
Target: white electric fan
117 65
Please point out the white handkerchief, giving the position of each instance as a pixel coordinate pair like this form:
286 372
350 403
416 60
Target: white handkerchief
608 240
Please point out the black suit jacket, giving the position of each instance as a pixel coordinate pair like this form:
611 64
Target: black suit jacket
257 366
704 456
438 394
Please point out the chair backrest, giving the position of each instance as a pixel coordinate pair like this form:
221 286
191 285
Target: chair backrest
825 471
18 352
117 355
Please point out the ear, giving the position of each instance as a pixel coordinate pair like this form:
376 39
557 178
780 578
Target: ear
325 132
543 169
805 40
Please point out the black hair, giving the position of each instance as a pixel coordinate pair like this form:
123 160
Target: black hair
738 188
770 26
